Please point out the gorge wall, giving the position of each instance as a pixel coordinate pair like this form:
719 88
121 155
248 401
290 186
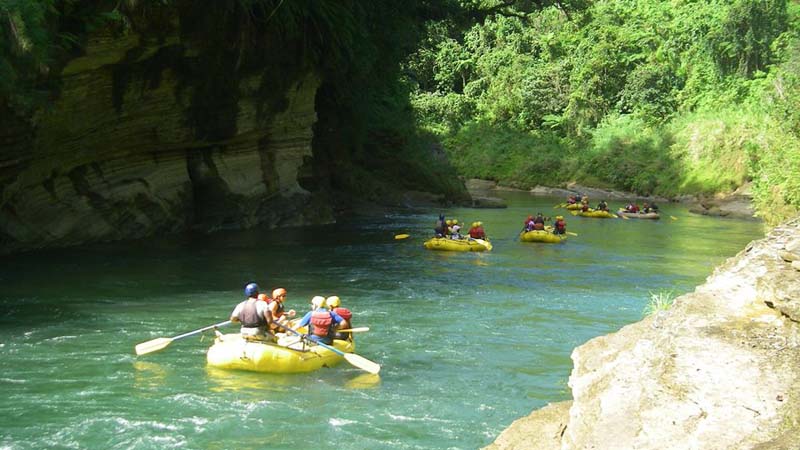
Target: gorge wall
718 370
154 128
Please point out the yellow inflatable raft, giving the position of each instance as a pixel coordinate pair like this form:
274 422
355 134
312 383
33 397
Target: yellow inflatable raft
231 351
598 214
458 245
574 206
542 236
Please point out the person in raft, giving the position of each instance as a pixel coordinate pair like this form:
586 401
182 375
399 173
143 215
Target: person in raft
278 311
477 231
455 230
538 222
648 208
321 322
253 314
560 226
529 224
440 230
335 304
632 208
602 206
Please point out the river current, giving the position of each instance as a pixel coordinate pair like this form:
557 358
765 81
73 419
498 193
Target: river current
468 342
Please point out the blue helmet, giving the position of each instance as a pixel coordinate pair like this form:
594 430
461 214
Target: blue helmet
251 290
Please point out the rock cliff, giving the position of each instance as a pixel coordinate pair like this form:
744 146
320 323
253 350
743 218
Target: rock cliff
718 370
159 132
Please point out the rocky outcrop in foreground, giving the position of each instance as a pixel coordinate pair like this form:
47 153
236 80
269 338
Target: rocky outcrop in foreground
718 370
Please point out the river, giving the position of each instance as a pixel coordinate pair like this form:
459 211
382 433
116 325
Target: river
468 342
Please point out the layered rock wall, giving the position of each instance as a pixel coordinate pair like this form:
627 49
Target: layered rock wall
126 147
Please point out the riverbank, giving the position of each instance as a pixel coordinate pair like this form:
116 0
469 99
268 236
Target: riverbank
718 370
738 204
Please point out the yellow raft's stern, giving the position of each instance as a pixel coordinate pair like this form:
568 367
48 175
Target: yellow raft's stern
231 351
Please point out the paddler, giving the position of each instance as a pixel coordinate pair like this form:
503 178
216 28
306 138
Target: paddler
253 314
477 231
321 322
276 309
560 226
335 304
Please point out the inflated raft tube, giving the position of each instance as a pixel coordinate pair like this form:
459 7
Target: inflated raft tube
542 236
232 351
458 245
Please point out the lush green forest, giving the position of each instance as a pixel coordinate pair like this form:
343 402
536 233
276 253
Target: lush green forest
651 96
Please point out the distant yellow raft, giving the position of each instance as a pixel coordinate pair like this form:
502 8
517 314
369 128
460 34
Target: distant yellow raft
458 245
231 351
542 236
574 206
598 214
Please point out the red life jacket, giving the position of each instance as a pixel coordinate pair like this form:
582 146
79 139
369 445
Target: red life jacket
321 321
344 312
561 225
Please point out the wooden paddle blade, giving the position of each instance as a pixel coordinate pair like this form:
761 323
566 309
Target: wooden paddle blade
362 363
152 345
572 234
401 236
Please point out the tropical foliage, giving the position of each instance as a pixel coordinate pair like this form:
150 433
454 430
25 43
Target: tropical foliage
657 97
678 97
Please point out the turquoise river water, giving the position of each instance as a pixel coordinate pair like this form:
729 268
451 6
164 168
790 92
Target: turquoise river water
468 342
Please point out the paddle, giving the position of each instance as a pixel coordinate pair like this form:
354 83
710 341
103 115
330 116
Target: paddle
356 360
401 236
572 234
354 330
673 217
157 344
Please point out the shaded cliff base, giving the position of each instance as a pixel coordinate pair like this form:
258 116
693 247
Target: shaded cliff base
719 370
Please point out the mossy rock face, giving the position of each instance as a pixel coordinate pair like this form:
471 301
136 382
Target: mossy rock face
160 127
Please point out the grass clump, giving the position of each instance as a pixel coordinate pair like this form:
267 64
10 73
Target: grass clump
659 301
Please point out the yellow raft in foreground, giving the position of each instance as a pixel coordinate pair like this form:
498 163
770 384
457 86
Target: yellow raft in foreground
458 245
231 351
542 236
